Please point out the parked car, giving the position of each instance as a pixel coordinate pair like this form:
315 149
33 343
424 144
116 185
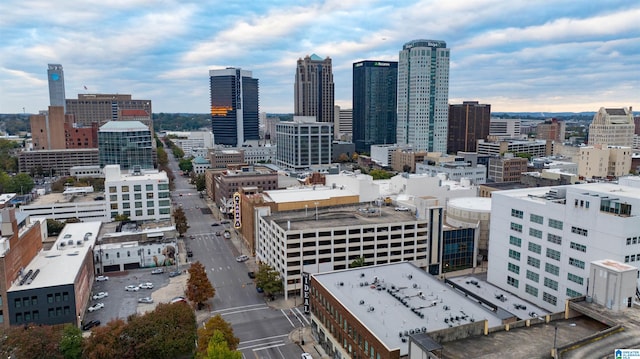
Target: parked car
90 324
132 288
174 274
242 258
226 235
259 290
252 275
145 300
147 285
215 224
95 307
100 295
189 253
102 278
157 271
306 356
402 209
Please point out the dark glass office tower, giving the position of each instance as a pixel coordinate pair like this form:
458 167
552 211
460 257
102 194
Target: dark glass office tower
374 103
234 106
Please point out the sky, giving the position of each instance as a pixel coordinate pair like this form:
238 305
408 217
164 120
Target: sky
517 55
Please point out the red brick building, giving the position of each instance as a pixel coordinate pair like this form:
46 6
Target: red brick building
20 242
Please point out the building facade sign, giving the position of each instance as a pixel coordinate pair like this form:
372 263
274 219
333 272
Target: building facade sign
305 292
237 220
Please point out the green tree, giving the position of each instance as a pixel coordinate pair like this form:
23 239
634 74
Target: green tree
218 348
213 325
71 342
380 174
358 262
180 219
54 227
177 151
199 288
21 183
163 159
185 164
121 218
268 279
201 182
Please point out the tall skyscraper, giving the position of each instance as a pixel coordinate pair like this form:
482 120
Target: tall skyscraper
468 123
234 106
314 89
423 95
374 103
56 86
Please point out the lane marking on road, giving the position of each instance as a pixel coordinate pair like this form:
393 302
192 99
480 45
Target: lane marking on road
286 316
303 316
281 354
243 311
269 347
262 346
267 338
264 306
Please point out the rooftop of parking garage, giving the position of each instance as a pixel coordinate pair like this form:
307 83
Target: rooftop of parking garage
341 216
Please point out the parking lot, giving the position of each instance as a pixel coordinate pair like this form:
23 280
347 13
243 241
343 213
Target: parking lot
120 303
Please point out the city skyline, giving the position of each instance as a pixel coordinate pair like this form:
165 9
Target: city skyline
516 56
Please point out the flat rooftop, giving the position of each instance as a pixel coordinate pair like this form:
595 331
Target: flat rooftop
340 216
308 193
53 198
393 298
509 305
60 265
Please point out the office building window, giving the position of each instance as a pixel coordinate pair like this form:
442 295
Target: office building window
513 282
517 213
536 219
514 254
515 241
554 223
533 276
534 262
536 248
531 290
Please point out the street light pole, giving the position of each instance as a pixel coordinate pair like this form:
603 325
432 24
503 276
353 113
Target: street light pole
555 341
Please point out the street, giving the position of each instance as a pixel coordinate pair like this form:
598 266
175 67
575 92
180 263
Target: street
263 331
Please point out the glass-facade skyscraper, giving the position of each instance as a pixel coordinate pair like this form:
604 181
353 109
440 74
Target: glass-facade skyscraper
55 75
234 106
374 103
423 95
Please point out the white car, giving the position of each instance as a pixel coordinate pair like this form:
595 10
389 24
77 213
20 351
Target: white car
145 300
96 306
147 285
132 288
102 278
100 295
242 258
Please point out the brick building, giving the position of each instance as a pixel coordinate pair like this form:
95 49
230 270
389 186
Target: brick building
20 241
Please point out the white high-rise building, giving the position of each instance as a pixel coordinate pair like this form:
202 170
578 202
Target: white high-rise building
423 95
542 240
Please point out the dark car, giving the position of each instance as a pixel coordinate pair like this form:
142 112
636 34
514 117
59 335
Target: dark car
91 324
251 275
174 274
189 253
225 221
259 290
